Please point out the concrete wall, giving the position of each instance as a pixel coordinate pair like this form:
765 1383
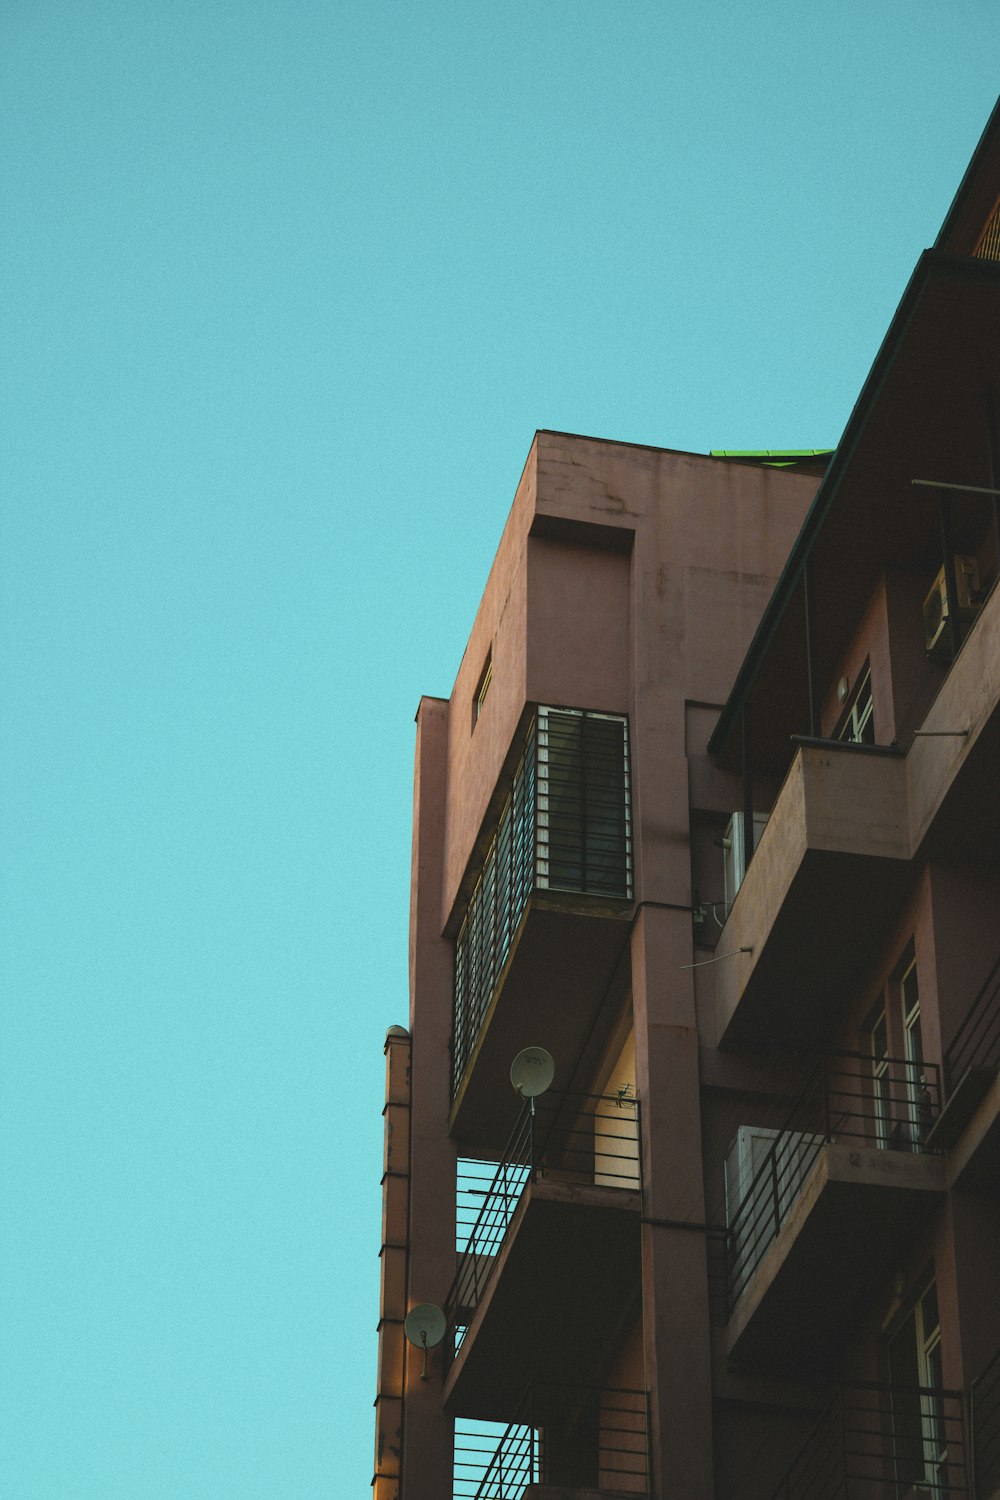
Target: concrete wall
627 579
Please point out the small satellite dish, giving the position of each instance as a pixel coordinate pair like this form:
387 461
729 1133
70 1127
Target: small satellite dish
532 1072
425 1326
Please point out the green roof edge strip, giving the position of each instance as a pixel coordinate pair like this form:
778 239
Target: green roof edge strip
770 452
824 497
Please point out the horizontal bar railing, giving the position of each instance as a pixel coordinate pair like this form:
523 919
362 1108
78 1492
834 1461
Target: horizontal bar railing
984 1400
976 1043
568 1435
884 1442
842 1099
588 1139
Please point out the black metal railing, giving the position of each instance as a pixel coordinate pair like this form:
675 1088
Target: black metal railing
884 1442
563 1137
844 1098
564 826
976 1043
984 1402
572 1435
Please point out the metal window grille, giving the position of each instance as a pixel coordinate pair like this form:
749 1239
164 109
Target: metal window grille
565 826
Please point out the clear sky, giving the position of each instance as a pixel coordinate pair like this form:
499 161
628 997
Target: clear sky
286 287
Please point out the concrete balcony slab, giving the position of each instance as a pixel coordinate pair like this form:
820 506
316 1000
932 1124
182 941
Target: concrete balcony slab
831 863
841 1238
549 995
566 1277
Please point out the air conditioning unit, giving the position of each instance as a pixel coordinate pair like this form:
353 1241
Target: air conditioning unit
937 606
765 1170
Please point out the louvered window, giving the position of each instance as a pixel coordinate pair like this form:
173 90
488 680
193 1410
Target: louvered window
988 247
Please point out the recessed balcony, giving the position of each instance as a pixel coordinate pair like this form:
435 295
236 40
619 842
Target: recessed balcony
885 1442
820 1204
549 1269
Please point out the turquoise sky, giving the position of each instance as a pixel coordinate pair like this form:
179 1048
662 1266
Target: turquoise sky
286 289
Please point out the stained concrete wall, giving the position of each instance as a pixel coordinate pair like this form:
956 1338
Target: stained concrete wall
627 579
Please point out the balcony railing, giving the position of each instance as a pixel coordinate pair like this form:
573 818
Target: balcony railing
883 1442
571 1435
985 1406
844 1099
576 1138
976 1043
565 826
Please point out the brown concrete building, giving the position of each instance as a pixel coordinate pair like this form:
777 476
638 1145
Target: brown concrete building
712 817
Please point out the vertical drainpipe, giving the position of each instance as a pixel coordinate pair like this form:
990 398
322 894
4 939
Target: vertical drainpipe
747 751
809 601
393 1258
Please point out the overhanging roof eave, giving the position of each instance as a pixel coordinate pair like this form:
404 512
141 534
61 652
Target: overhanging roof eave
931 263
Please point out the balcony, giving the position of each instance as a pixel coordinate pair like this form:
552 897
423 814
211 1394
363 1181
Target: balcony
969 1125
586 1441
884 1442
551 1262
820 1204
543 925
836 854
829 867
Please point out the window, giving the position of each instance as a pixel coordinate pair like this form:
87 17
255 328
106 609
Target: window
918 1427
918 1100
583 836
858 724
881 1087
482 688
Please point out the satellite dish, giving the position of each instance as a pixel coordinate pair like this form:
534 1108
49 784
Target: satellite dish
532 1072
425 1326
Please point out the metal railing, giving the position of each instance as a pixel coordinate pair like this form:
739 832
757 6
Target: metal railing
984 1402
563 1137
566 826
572 1435
883 1442
976 1043
843 1099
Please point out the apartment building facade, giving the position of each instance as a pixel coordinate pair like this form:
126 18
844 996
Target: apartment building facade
707 845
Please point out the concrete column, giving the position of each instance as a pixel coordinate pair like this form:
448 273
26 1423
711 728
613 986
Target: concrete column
676 1327
427 1429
